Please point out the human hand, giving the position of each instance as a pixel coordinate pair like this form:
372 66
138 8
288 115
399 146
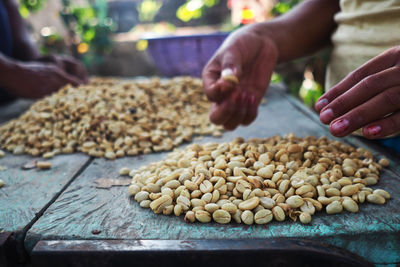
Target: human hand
35 79
367 98
251 58
69 64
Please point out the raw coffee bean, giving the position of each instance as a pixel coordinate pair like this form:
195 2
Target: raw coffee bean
305 218
350 205
160 203
376 199
334 207
203 216
190 217
263 216
278 213
267 202
43 165
124 171
211 207
295 201
249 204
382 193
229 207
384 162
142 195
221 216
247 217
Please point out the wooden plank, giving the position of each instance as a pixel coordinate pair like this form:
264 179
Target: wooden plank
27 193
14 109
254 252
373 233
5 239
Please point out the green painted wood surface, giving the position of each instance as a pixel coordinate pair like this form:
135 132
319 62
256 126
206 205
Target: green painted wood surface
27 193
373 233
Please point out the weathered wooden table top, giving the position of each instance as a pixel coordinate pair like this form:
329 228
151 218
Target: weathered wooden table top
63 203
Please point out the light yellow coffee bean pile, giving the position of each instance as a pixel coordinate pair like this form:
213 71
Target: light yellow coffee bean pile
259 180
112 118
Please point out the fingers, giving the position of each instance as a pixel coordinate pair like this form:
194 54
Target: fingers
239 108
372 110
69 79
218 89
240 112
377 64
383 127
360 93
212 87
252 110
52 59
75 68
221 113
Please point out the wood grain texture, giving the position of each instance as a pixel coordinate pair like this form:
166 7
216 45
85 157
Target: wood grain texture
27 193
373 233
193 253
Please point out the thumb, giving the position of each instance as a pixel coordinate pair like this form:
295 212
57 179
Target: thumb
216 87
231 64
71 79
231 70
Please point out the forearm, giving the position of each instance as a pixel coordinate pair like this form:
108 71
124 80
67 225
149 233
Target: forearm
304 30
23 48
8 71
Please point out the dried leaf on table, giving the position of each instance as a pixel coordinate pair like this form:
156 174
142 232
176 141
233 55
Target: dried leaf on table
29 165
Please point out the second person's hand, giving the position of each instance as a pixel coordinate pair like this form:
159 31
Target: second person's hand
69 64
36 79
367 98
251 58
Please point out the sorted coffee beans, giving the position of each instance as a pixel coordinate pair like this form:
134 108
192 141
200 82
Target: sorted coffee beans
259 180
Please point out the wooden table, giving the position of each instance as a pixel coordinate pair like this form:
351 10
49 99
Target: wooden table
58 217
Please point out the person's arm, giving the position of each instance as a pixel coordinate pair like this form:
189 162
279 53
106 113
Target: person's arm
25 50
252 52
302 31
32 79
23 47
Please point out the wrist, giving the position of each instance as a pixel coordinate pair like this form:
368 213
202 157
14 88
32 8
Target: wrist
266 32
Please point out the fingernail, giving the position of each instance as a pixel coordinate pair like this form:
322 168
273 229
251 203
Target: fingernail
244 97
235 70
374 130
340 126
326 116
321 103
252 100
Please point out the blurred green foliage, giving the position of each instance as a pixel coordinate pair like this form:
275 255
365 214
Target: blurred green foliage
148 9
310 91
28 6
89 29
194 9
284 6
